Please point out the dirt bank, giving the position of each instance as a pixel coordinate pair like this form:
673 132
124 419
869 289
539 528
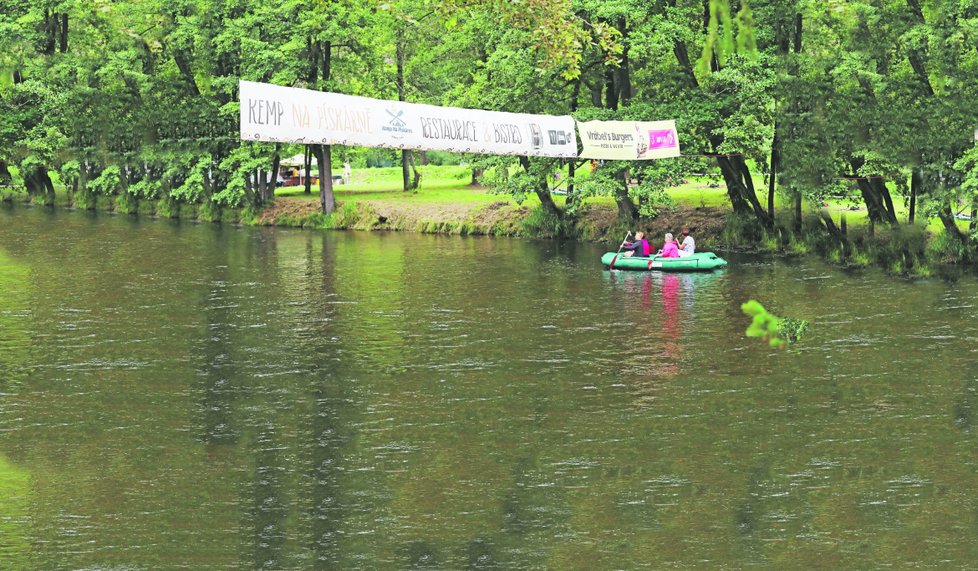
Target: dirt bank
596 222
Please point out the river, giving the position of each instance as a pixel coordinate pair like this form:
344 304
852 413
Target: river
191 396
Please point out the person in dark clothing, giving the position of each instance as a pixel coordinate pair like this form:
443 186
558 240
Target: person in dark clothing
640 247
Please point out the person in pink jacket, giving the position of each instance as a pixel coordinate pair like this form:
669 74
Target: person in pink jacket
669 247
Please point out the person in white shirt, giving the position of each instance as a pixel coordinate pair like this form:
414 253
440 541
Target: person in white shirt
688 245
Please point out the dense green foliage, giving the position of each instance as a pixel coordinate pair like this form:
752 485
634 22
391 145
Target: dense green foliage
867 97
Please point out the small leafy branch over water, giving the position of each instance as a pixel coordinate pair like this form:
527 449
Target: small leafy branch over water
779 331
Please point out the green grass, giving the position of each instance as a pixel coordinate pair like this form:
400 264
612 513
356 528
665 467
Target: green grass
699 192
387 180
450 183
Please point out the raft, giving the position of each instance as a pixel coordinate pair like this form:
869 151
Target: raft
700 261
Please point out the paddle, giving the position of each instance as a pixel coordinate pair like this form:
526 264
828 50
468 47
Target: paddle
611 266
625 241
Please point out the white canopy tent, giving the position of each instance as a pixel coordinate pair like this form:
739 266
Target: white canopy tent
295 161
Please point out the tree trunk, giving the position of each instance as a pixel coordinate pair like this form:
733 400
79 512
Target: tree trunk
276 161
571 163
571 171
611 93
405 153
775 162
917 63
798 29
797 208
626 208
682 56
831 227
50 31
623 77
307 167
63 39
879 203
406 169
260 184
950 226
915 179
5 176
39 183
595 90
180 58
416 182
315 55
327 200
327 61
547 200
732 180
32 184
84 175
543 192
874 203
323 153
880 188
740 188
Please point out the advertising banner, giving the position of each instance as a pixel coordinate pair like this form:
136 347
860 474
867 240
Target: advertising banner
628 140
292 115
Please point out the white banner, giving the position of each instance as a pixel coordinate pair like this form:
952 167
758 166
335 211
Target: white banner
292 115
629 140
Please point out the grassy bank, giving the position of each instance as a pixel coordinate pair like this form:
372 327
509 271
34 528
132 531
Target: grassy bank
446 203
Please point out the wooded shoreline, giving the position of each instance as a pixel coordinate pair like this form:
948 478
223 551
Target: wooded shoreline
913 250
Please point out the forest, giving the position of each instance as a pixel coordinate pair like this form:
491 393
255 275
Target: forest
872 98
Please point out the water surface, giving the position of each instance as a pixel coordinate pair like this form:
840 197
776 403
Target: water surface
175 395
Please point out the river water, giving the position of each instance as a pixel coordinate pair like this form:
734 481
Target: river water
183 396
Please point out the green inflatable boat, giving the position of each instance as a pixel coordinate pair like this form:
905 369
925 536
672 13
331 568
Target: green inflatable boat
700 261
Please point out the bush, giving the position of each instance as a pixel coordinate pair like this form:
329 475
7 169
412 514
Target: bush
346 216
209 211
11 194
126 203
167 207
945 249
107 183
744 231
544 224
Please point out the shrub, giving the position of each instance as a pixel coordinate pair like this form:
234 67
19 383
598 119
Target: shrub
544 224
167 207
126 203
209 211
743 230
106 183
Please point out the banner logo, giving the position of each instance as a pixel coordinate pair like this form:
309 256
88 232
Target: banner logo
536 136
662 139
560 137
396 125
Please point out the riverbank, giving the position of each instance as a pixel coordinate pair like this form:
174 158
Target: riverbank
917 250
439 209
595 222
